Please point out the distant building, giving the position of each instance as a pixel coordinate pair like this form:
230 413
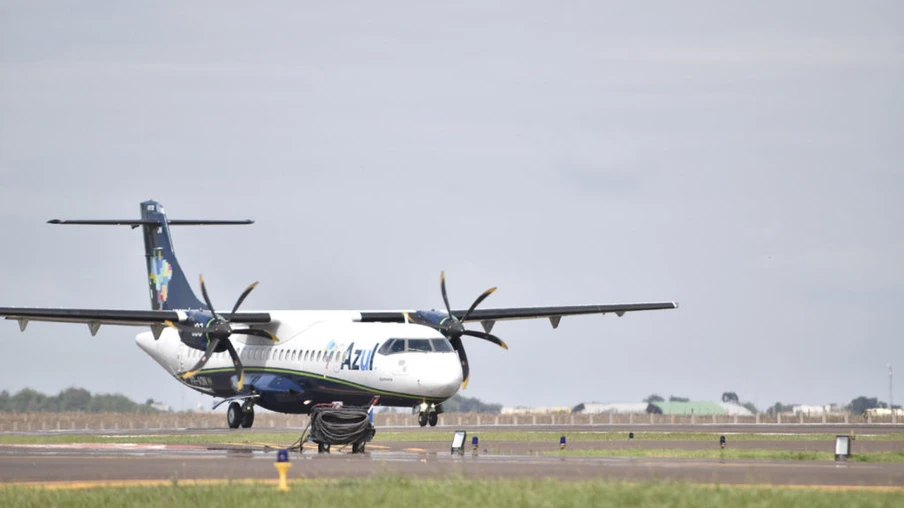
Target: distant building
665 408
883 411
160 406
534 410
623 408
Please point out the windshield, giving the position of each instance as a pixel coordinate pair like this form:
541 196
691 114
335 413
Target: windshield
393 346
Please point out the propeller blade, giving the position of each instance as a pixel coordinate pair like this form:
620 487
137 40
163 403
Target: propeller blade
479 299
442 287
463 357
257 333
211 346
206 298
242 298
237 363
486 336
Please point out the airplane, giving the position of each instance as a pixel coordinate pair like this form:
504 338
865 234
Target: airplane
289 361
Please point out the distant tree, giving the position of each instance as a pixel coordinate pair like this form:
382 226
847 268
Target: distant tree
862 403
74 399
730 397
675 398
653 398
70 399
751 407
778 408
459 404
149 402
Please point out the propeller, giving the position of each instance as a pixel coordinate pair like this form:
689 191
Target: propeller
454 328
218 330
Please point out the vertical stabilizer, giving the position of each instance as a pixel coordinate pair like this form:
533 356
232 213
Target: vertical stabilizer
168 286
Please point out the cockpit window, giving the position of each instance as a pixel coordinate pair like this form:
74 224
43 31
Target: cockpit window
419 345
441 345
393 346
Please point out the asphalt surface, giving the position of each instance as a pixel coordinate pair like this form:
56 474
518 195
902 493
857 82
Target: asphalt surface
113 462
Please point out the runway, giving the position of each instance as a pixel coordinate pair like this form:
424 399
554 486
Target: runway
122 461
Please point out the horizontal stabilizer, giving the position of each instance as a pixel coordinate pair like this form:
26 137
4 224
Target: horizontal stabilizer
150 222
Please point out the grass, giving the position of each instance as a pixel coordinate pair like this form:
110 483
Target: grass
896 456
286 438
399 492
584 437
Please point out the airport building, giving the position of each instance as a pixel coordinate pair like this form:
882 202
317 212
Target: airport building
665 408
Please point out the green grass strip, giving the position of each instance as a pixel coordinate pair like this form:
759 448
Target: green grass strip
399 492
248 437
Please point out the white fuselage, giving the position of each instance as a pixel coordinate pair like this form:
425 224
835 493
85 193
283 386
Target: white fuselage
325 349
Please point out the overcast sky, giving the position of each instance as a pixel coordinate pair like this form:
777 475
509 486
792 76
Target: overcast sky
743 159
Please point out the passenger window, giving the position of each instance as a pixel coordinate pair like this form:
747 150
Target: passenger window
319 355
441 345
293 355
419 345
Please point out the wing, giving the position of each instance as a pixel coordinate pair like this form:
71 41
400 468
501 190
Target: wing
96 317
488 317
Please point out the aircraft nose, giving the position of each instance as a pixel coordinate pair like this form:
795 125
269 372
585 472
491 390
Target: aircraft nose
443 378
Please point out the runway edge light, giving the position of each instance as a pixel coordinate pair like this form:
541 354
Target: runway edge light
562 443
474 442
283 465
458 442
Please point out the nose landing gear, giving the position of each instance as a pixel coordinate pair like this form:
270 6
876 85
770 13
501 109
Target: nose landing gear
428 414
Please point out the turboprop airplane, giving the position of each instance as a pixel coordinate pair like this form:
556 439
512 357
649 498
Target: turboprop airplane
288 361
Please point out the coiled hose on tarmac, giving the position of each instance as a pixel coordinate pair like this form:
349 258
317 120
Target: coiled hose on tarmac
338 426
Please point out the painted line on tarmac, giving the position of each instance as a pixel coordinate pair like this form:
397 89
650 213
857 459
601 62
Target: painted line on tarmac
100 484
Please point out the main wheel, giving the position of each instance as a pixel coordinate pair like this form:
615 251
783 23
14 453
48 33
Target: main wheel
422 419
358 447
323 448
248 418
432 418
234 415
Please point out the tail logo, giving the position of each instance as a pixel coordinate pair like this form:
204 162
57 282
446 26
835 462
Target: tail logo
161 273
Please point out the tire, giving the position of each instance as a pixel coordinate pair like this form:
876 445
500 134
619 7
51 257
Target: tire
422 419
323 448
248 419
358 447
432 418
234 415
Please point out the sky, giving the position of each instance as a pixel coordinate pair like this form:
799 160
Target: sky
742 159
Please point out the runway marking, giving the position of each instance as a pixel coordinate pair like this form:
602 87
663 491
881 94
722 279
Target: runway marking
414 450
96 484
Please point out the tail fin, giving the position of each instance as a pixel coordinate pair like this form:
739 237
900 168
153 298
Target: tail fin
168 286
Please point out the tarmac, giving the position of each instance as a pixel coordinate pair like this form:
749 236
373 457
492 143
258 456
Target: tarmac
61 464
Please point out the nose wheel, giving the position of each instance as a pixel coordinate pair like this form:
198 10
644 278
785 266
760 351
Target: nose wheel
428 415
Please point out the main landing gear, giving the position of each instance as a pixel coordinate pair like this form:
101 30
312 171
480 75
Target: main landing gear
428 414
240 415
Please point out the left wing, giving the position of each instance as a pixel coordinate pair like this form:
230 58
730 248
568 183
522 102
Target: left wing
488 317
